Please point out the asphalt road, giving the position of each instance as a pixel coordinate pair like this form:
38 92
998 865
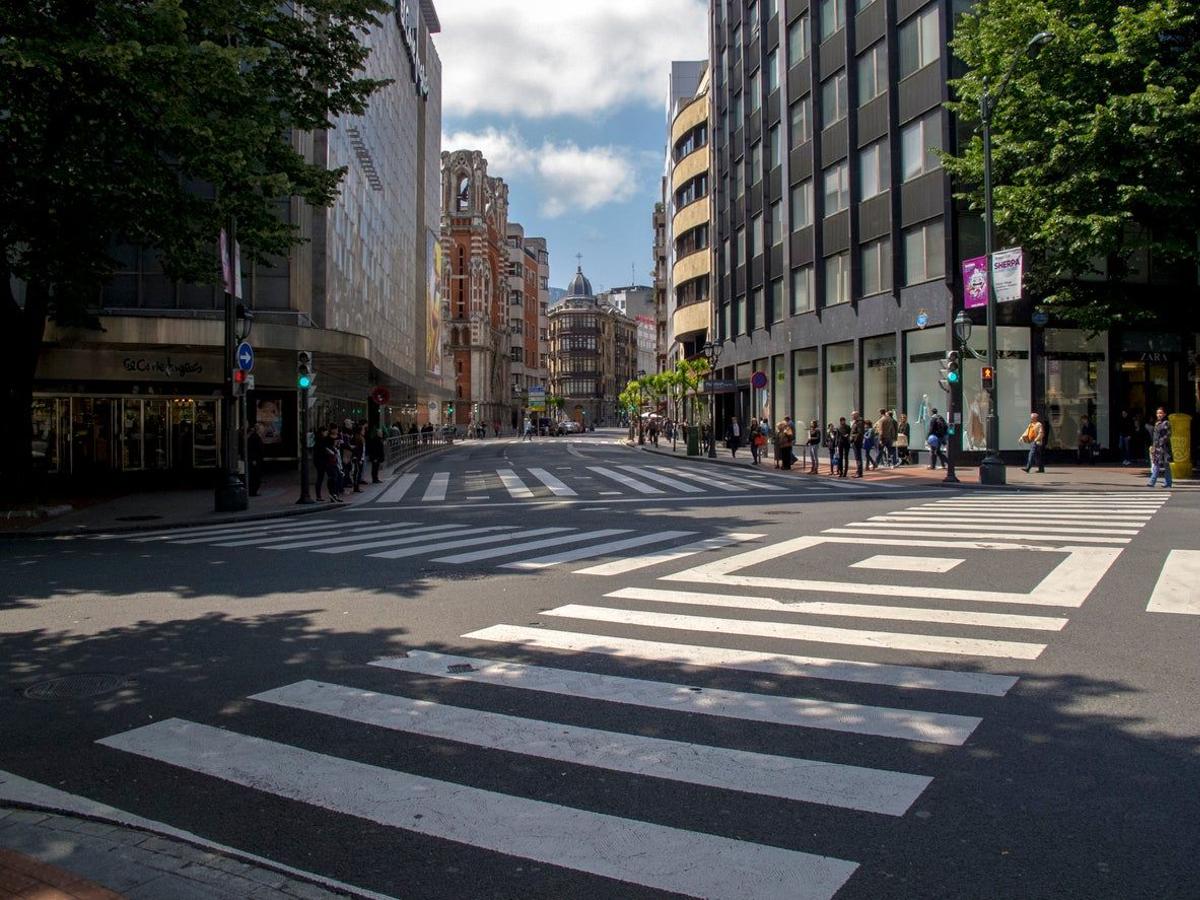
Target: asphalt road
571 669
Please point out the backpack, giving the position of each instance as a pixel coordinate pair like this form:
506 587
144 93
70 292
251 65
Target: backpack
937 426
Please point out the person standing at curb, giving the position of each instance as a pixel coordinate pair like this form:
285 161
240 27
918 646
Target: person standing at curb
903 436
857 436
1035 437
885 428
376 452
733 436
756 441
1160 449
938 430
814 441
785 438
843 447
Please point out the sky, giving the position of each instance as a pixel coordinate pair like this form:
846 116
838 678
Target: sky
567 101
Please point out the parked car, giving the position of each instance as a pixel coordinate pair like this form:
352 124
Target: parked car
569 427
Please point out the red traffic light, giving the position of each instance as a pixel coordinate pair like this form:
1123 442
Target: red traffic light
988 378
239 376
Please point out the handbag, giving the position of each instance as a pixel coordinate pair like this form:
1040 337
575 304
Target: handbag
902 441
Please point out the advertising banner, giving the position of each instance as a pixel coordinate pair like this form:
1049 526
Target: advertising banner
974 274
1007 269
433 305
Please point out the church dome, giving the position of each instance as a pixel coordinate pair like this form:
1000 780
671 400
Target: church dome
580 286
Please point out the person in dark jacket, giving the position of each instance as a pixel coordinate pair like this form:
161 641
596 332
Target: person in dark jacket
254 459
857 432
376 452
843 446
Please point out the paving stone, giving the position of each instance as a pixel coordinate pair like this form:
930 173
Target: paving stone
172 887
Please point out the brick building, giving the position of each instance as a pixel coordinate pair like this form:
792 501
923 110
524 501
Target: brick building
528 296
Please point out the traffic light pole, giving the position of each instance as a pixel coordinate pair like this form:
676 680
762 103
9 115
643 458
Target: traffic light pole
305 497
951 431
230 492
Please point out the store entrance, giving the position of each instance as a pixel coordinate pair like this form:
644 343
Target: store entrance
92 428
1145 385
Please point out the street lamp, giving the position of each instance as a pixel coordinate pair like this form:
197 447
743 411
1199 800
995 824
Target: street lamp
991 470
711 351
962 328
641 373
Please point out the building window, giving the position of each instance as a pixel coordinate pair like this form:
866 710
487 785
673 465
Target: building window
776 150
834 103
739 325
876 266
770 7
801 118
924 253
920 42
833 17
735 110
872 73
756 163
752 18
802 294
760 311
859 5
735 40
740 259
756 236
728 261
802 205
755 92
873 169
798 39
692 190
837 188
772 71
837 279
918 142
739 178
776 300
776 224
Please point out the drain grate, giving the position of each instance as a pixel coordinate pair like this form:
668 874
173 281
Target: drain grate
76 687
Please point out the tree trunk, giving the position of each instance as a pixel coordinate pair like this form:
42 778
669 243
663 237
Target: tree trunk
21 335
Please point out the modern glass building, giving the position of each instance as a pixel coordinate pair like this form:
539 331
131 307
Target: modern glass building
837 244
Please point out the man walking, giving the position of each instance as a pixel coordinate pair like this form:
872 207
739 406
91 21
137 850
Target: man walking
938 430
857 433
885 428
843 446
1035 437
1160 449
254 458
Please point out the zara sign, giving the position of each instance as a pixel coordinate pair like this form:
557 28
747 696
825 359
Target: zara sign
409 21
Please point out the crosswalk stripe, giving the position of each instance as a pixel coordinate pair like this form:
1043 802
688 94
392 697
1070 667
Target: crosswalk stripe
557 487
554 559
264 540
655 856
644 472
1069 518
404 538
513 484
400 532
531 545
977 533
805 780
724 481
783 664
1177 589
640 486
437 487
398 488
467 542
1028 521
1090 506
633 563
218 530
788 631
853 718
849 610
999 528
250 536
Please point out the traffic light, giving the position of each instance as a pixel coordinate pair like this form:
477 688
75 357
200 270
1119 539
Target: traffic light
449 409
952 366
989 378
240 377
306 373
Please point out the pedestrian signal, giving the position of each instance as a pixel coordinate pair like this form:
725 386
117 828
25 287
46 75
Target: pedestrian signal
952 366
989 378
305 370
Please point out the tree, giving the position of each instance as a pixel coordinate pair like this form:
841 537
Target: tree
153 123
1092 144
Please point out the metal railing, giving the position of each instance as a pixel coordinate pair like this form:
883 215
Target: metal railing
406 446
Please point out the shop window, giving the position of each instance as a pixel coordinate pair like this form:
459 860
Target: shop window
806 387
924 351
840 380
879 375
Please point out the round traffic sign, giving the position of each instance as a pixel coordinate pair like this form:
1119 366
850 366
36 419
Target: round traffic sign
245 356
1039 318
922 319
758 380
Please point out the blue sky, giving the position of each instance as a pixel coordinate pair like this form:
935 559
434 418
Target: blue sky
567 99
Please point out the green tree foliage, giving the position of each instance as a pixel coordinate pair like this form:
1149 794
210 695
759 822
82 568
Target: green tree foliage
152 122
1093 143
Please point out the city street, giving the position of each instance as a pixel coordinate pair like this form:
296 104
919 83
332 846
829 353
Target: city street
570 668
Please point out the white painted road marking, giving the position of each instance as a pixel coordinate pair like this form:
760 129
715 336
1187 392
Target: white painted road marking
421 534
555 541
167 534
515 486
869 531
1178 587
354 540
669 859
780 664
396 491
904 724
557 487
633 563
939 564
641 540
437 487
683 486
456 544
640 486
806 780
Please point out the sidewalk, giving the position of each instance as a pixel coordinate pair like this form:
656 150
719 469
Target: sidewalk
170 508
1082 478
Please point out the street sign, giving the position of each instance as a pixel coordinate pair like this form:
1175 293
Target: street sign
758 380
922 319
245 356
1039 318
719 386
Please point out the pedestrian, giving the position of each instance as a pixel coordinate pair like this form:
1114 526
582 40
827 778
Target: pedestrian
785 439
527 430
320 458
831 441
813 442
938 431
843 446
733 436
768 438
870 442
254 458
1086 447
1125 427
358 453
885 429
756 441
903 436
376 453
1161 456
1035 437
333 462
857 434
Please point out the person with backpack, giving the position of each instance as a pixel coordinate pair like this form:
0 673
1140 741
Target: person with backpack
938 430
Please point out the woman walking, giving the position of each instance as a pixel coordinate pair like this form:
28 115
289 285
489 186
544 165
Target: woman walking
814 441
733 436
755 441
1160 449
903 433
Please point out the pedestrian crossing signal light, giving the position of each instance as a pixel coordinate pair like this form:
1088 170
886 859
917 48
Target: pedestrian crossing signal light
305 372
989 378
952 366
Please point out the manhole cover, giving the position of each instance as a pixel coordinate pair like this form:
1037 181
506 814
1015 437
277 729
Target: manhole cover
75 687
147 518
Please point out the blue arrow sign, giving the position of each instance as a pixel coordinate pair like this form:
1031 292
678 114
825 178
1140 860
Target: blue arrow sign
245 356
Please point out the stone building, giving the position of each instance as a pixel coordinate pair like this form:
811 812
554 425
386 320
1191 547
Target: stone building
593 354
528 296
476 278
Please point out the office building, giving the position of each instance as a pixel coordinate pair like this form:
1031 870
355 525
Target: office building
528 322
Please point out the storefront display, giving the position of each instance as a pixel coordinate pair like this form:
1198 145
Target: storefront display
924 351
1013 388
879 374
840 380
806 386
1074 373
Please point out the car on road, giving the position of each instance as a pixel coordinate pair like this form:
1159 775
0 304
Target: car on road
569 427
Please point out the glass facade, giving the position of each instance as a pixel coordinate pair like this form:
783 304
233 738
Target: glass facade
840 380
806 386
1013 387
880 382
923 351
1074 374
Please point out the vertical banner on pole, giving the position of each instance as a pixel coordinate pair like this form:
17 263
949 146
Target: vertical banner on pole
974 273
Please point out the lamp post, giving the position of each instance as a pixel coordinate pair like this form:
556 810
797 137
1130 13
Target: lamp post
711 351
991 470
641 373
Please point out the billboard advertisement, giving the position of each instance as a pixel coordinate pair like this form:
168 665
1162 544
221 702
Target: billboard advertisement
433 304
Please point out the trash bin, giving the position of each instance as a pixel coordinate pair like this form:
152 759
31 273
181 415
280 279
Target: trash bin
1181 445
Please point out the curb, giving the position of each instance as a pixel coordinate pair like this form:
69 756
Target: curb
282 513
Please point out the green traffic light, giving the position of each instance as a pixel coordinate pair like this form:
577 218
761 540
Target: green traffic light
952 377
304 382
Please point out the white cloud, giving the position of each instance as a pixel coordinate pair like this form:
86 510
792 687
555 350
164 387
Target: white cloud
538 58
568 177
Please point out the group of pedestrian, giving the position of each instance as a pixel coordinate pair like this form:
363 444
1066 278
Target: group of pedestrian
341 455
